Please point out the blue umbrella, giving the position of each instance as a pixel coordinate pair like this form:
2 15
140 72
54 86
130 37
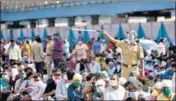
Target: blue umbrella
140 32
32 35
102 36
71 39
120 34
45 33
11 34
86 38
21 38
1 35
163 34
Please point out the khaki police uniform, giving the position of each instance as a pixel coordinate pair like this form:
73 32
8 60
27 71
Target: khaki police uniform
48 59
130 55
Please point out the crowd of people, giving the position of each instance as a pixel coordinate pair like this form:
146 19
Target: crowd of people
97 70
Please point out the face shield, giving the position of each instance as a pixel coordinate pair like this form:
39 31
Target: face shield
131 36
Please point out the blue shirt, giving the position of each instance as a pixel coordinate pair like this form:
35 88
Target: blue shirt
96 47
168 73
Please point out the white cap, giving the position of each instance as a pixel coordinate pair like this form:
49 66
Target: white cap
100 82
167 83
78 77
158 85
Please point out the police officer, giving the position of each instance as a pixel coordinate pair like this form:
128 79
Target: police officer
131 53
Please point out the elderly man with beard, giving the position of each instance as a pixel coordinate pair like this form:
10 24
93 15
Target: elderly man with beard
131 53
114 91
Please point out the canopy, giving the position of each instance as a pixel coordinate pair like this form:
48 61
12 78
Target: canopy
140 32
163 34
71 39
1 35
11 34
86 38
21 38
120 34
102 36
32 35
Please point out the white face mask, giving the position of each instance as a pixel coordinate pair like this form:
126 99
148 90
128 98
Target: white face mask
80 42
113 83
65 77
131 37
100 89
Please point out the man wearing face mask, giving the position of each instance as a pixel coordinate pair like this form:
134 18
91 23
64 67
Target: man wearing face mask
57 54
62 86
114 91
167 93
50 90
38 89
81 51
131 53
14 52
20 81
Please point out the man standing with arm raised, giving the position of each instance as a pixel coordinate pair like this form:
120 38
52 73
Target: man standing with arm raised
131 53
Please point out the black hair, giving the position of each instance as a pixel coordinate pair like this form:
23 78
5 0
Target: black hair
70 74
56 34
89 77
29 74
38 39
12 40
36 75
27 42
49 37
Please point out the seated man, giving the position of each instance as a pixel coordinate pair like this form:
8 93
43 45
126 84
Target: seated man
38 89
51 84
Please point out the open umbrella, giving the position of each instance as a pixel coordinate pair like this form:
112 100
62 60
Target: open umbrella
1 35
86 38
140 32
102 36
21 38
120 34
45 34
11 34
71 39
32 35
163 34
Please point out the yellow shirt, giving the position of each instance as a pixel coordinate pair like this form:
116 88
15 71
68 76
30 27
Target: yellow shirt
130 53
101 62
162 97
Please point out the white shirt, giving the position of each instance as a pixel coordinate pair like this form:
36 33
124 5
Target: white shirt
14 72
15 52
18 84
161 49
6 47
95 67
103 47
38 90
110 94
